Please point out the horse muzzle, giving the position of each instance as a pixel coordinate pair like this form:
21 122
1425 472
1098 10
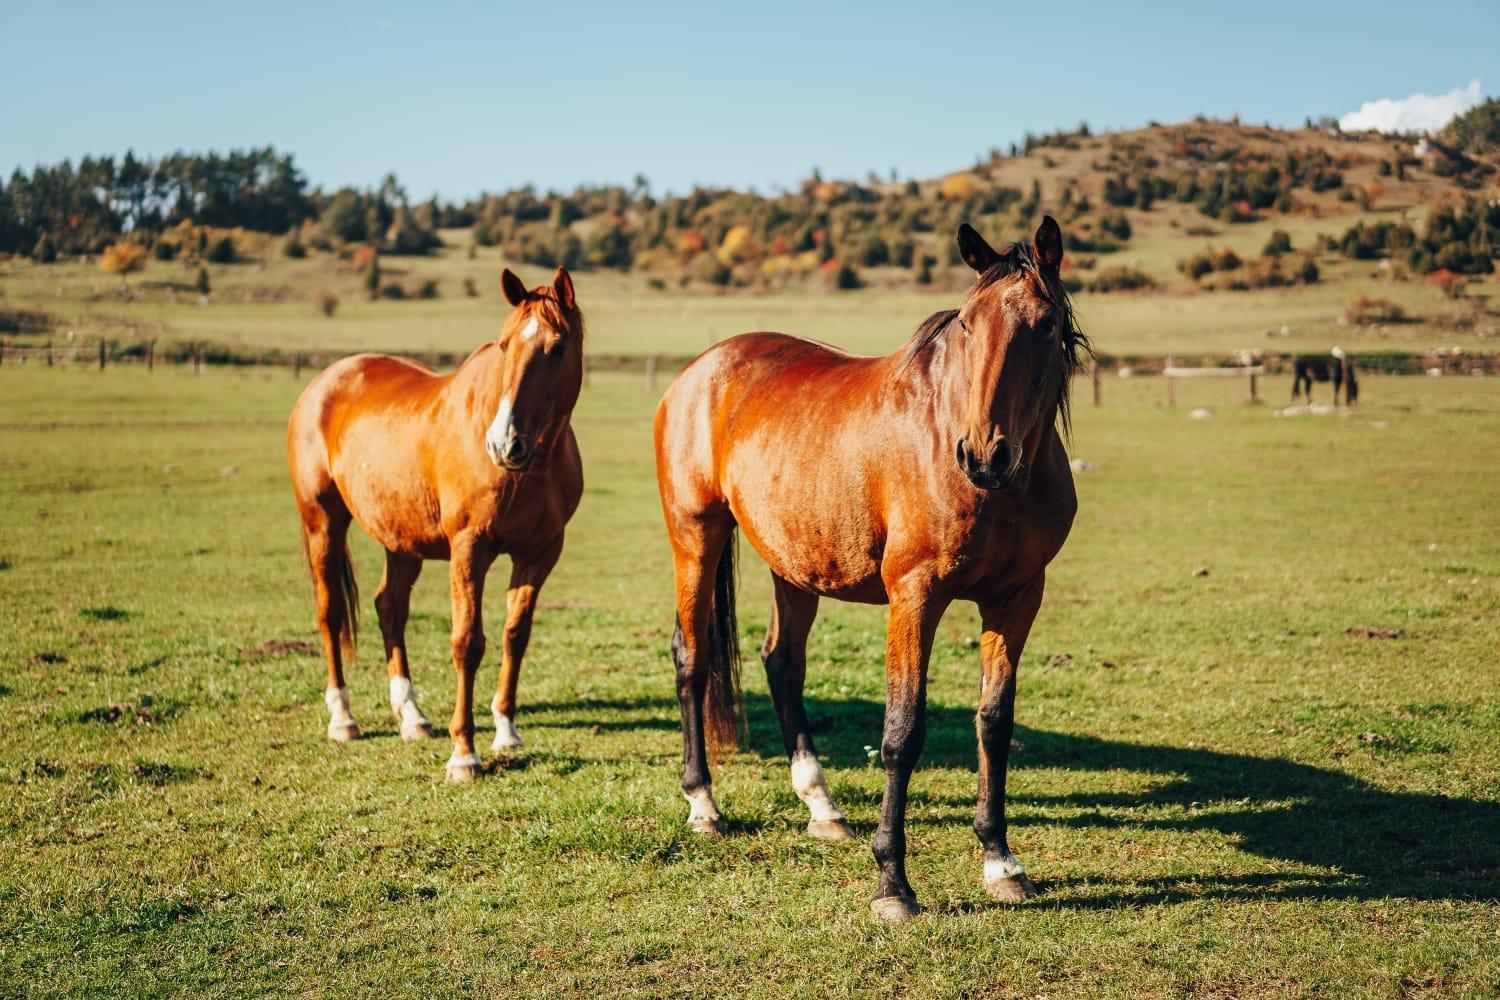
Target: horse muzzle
995 471
512 452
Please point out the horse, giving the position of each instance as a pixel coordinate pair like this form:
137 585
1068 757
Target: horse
931 475
463 467
1338 368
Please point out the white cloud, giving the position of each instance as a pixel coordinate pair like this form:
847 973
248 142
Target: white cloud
1417 113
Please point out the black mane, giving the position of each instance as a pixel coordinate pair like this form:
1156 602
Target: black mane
1076 349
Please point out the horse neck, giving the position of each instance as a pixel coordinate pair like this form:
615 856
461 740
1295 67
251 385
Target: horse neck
475 389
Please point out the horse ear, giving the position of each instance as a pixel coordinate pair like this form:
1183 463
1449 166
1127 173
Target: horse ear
563 283
512 287
1049 243
975 251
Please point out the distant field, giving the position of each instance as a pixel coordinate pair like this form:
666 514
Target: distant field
271 305
1221 790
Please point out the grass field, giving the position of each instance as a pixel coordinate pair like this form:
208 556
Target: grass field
1221 791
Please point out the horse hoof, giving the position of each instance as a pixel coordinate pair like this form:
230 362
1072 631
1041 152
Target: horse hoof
894 909
344 734
461 770
715 827
507 741
1011 889
829 829
416 732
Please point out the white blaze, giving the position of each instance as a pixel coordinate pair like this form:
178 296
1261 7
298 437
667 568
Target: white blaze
499 430
529 330
807 781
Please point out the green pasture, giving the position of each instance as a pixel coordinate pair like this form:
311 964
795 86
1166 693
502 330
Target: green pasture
1224 785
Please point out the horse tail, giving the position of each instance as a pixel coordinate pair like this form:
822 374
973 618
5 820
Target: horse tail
724 712
347 593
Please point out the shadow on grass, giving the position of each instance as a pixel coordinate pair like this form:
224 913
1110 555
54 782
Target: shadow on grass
1381 843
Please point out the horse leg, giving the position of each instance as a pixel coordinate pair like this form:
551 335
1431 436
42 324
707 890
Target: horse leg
913 620
1006 625
526 579
697 545
325 531
469 561
785 657
392 604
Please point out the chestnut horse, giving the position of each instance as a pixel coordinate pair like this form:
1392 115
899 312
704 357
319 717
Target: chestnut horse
462 467
931 475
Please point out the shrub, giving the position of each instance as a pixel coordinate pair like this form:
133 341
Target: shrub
293 247
1279 243
1120 279
327 303
45 252
471 289
1364 310
1307 272
846 278
874 252
924 269
391 290
162 250
1116 224
122 258
428 289
220 250
712 270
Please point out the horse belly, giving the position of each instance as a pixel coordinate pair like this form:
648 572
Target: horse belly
393 502
832 556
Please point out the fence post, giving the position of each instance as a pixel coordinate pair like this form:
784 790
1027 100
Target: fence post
1253 397
1094 377
49 354
650 373
1171 399
101 354
2 352
150 356
297 366
197 360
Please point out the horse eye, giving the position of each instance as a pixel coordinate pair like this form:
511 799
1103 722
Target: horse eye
962 325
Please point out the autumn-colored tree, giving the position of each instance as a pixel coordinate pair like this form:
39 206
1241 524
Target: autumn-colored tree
122 258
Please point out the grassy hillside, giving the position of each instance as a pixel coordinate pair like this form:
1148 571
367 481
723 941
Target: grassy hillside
670 301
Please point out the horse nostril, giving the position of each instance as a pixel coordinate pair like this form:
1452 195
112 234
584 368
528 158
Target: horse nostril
963 455
1001 459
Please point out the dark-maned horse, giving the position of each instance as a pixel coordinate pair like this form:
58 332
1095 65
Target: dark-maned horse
462 467
1336 367
932 475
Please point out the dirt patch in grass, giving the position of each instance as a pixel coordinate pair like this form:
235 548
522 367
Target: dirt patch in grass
274 649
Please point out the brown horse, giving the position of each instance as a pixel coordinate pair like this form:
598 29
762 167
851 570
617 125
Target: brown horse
931 475
461 467
1336 367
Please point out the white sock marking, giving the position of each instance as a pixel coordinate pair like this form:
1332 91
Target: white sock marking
339 716
404 705
701 804
1006 866
498 431
461 760
505 730
808 783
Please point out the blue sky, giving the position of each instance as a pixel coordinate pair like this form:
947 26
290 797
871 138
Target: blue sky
457 98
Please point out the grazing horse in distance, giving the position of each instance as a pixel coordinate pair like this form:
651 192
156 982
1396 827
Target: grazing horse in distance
1337 367
932 475
462 467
